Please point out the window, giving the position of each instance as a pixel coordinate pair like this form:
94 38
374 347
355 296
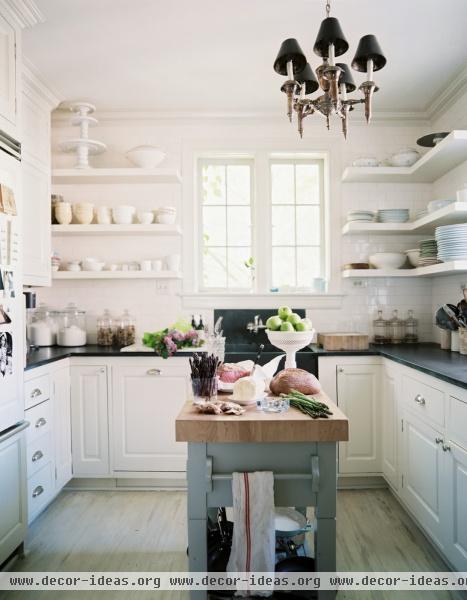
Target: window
272 241
297 223
226 232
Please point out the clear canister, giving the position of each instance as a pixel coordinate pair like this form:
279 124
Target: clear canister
380 329
72 326
42 326
411 329
105 329
396 329
125 330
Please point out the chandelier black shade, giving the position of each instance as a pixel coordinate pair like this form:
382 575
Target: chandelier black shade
330 32
333 80
290 51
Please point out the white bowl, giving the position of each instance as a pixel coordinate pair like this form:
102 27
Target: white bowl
166 218
123 215
291 342
387 260
146 157
365 162
93 266
406 157
413 256
83 213
73 266
167 209
145 217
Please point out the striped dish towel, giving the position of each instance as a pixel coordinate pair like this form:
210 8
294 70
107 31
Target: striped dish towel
254 537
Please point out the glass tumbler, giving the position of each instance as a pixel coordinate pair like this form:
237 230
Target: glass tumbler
204 389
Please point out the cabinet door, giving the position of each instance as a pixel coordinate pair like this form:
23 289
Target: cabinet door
62 426
13 515
7 72
89 421
455 495
422 467
145 403
390 427
359 396
36 225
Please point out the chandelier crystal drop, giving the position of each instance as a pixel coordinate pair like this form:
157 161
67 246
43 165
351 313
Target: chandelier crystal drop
333 79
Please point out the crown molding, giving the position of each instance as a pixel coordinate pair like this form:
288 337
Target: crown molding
33 78
24 13
448 95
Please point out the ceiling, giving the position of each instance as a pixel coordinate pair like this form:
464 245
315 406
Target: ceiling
217 56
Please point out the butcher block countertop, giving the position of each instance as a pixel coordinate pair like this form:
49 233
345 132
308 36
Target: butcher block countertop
258 426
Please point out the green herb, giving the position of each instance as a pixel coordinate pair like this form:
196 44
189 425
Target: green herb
308 405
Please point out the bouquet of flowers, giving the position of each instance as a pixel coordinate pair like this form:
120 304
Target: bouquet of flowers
167 341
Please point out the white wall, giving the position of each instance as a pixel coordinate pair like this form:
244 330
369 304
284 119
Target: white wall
181 138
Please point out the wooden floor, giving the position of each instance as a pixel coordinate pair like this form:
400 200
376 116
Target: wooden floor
146 531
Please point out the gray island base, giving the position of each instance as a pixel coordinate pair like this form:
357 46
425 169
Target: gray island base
301 452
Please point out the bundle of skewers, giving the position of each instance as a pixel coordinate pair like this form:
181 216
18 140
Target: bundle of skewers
204 375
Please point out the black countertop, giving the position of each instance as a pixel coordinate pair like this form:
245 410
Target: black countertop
428 358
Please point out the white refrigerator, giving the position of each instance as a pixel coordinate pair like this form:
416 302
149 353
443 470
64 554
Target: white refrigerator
13 497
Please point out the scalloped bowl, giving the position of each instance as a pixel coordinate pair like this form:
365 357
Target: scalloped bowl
146 157
290 342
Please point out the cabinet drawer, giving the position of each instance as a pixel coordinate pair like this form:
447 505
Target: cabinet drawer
423 400
36 390
40 490
39 453
457 421
40 418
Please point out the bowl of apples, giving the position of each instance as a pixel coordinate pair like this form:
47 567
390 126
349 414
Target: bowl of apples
289 332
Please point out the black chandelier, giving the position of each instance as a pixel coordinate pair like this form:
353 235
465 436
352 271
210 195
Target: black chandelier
334 79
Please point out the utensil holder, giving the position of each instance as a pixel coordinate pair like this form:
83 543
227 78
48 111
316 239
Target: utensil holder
204 389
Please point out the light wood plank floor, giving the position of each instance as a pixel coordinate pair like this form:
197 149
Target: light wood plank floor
146 531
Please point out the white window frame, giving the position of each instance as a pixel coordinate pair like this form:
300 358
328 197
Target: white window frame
226 160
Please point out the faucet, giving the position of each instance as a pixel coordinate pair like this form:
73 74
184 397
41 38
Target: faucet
256 325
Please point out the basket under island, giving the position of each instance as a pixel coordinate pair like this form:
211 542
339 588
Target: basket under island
300 451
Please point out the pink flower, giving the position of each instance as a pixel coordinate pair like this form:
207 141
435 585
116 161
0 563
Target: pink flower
170 345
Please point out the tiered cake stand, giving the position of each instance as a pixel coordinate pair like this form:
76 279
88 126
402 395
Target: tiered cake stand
83 146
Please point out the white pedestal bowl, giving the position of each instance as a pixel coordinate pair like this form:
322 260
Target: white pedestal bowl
290 342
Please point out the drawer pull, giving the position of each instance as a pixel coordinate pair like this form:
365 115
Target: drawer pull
446 448
41 422
419 399
37 491
35 393
154 372
37 455
439 441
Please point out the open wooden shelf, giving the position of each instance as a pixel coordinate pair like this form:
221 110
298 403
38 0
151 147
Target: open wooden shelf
447 154
447 268
117 175
116 275
448 215
136 229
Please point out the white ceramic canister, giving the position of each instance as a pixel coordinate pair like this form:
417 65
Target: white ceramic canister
172 262
103 215
455 341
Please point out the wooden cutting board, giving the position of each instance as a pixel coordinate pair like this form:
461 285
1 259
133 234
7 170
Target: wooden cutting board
343 341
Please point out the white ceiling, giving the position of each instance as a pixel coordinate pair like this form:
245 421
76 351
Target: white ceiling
217 56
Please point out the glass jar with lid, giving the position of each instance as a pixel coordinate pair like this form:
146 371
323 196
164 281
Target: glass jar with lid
71 326
125 330
105 329
396 329
42 326
380 329
411 329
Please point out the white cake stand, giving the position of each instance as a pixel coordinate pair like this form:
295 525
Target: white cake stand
82 145
290 342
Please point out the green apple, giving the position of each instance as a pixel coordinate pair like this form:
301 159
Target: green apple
294 318
284 312
309 324
286 326
301 326
273 323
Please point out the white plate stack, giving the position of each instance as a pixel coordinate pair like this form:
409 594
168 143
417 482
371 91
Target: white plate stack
362 216
393 215
452 242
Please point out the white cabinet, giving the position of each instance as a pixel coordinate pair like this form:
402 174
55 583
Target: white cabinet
358 396
89 421
145 403
13 517
455 500
8 77
389 425
62 426
422 469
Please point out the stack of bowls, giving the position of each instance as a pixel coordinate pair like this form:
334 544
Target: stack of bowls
123 215
83 212
393 215
452 242
63 213
428 253
363 216
166 215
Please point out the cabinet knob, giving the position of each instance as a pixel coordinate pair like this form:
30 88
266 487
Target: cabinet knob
446 448
37 491
36 392
154 372
41 422
419 399
340 369
37 456
439 441
102 370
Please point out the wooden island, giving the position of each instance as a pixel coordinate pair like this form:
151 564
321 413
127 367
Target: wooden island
300 451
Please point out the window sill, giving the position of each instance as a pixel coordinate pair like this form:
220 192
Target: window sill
271 300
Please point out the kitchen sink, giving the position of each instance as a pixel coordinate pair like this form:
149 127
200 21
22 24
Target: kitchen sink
236 352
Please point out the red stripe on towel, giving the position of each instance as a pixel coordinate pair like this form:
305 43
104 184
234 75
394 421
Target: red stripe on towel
247 521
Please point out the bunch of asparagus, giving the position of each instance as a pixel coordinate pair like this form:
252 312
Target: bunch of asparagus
308 405
203 374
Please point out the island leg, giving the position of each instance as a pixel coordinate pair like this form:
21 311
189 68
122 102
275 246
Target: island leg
325 533
197 513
